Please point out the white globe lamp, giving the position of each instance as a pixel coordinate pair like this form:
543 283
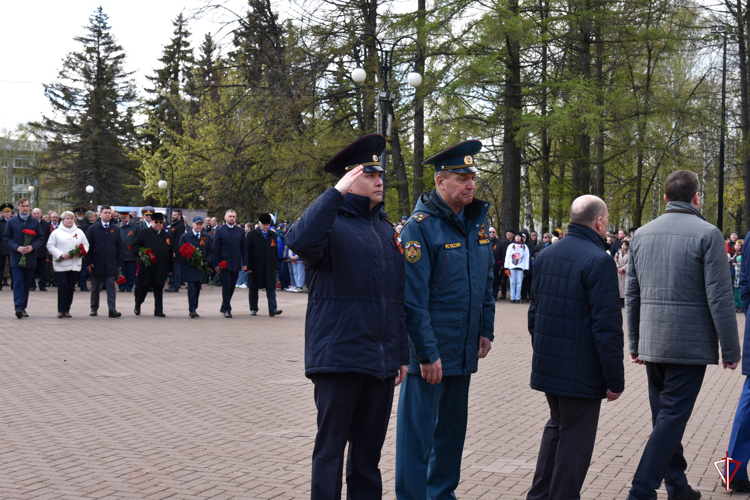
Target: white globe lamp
359 75
162 184
414 79
89 189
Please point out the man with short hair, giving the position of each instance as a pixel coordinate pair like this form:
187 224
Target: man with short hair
54 220
229 247
176 230
578 362
262 262
679 306
617 244
450 315
146 213
5 210
103 260
194 275
41 260
154 275
128 231
23 258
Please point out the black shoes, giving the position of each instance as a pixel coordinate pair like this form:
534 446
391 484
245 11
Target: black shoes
275 312
690 494
222 310
19 314
194 315
253 312
24 313
172 290
42 289
227 314
160 315
741 485
85 289
93 312
137 310
114 314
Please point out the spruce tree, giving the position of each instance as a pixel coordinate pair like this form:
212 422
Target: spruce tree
89 135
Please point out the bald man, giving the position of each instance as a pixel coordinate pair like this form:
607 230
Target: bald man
575 323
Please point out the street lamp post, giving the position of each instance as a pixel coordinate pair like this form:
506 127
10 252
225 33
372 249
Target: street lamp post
31 195
720 219
163 185
386 69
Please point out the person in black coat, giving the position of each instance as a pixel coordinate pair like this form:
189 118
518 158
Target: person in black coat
229 247
15 238
87 221
192 275
176 230
5 210
262 264
104 259
41 259
502 250
575 324
498 260
356 346
158 239
128 232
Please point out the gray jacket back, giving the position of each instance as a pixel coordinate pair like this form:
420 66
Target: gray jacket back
678 293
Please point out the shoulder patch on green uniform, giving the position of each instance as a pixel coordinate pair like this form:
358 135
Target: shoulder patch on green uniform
420 216
413 251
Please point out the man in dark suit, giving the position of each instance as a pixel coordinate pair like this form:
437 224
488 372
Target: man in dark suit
5 210
23 256
262 262
176 230
104 259
193 275
128 231
41 260
155 274
229 247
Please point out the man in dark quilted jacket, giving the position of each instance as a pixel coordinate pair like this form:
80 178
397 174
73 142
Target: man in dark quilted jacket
680 306
575 323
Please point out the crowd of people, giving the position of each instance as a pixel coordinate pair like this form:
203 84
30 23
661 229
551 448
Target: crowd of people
82 249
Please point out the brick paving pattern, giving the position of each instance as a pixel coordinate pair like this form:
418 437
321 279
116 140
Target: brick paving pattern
215 408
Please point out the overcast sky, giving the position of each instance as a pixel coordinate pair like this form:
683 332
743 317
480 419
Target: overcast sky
36 35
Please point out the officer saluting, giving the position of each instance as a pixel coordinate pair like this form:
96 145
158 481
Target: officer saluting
450 314
155 274
355 335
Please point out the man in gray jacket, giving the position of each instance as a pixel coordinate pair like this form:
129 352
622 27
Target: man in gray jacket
678 302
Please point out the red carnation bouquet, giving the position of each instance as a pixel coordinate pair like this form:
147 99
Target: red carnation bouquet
28 235
121 280
192 255
215 281
79 250
147 257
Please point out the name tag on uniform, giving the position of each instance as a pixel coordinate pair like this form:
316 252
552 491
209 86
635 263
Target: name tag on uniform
448 246
485 241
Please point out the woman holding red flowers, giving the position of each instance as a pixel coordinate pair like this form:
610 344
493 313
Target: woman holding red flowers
67 245
23 234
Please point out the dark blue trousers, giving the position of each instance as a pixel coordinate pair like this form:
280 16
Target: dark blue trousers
229 278
41 266
174 280
430 437
284 274
194 292
270 295
672 391
22 278
739 441
128 270
352 408
83 275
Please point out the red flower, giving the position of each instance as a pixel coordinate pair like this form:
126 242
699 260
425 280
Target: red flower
30 232
223 264
121 280
130 248
153 257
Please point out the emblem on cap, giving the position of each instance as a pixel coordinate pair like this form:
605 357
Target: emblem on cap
468 160
375 158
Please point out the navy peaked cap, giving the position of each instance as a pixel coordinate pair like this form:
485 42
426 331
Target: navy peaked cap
365 151
459 158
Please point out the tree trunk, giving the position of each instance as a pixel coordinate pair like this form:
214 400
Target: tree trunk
599 141
744 106
545 143
399 168
418 172
581 164
511 151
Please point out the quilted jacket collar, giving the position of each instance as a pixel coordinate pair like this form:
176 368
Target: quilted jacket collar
681 206
355 204
585 233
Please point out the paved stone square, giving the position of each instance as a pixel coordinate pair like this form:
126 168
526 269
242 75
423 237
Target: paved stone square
215 408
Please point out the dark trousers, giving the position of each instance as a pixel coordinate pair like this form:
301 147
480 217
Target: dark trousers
142 291
96 286
284 274
22 278
83 275
128 270
270 295
174 280
672 391
41 267
228 280
496 282
66 286
194 292
355 408
503 281
3 260
739 441
567 445
526 286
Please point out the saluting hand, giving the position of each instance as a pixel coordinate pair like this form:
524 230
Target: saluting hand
345 183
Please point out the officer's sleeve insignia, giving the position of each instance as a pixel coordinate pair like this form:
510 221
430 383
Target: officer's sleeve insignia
420 216
413 251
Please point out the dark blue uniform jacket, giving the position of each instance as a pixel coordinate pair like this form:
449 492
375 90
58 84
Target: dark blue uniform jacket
356 322
575 319
745 295
202 243
14 238
105 249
